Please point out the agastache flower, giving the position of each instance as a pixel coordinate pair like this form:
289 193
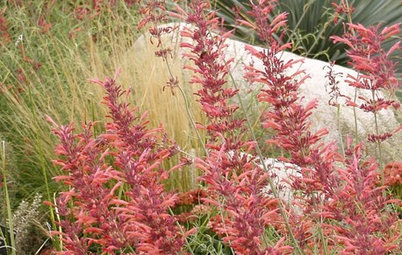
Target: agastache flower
377 71
140 159
393 173
155 13
289 118
210 69
368 56
44 25
359 209
86 175
96 169
342 8
233 180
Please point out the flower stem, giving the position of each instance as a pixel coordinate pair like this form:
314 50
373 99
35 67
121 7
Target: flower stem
187 106
338 116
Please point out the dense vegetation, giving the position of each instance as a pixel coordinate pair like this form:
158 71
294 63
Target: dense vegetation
87 167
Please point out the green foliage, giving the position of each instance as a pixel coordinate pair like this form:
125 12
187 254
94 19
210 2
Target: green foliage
205 241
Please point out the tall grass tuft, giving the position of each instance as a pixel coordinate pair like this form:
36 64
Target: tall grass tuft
10 242
165 106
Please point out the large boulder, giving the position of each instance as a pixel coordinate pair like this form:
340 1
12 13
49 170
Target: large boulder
325 115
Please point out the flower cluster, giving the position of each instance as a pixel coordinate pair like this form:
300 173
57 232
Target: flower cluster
234 181
290 119
321 181
393 173
342 8
211 69
377 71
287 116
333 83
115 185
358 209
155 13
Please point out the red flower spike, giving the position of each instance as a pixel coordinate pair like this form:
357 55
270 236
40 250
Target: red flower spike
377 72
98 216
358 226
234 183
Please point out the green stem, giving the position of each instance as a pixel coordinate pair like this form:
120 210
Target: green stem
182 231
378 143
7 197
355 117
187 106
43 168
338 116
320 231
